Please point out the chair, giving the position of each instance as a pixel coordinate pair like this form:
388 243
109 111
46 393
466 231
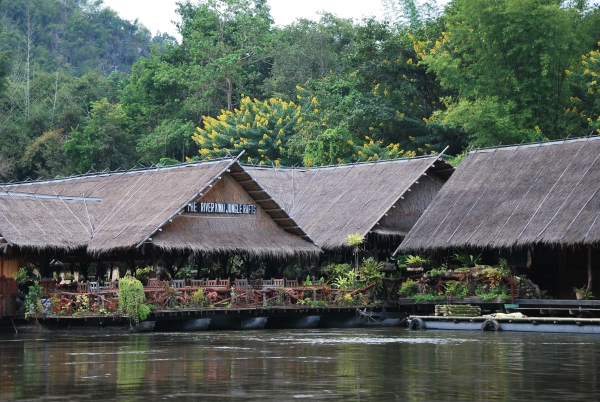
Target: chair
197 283
291 283
82 287
154 283
93 287
267 284
113 285
211 283
178 283
243 291
223 283
279 283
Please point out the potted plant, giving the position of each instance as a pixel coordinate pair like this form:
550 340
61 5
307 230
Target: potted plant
415 261
582 293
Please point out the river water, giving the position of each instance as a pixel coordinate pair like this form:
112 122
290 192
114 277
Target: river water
264 365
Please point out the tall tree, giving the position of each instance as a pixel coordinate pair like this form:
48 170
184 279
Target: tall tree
507 62
105 140
309 50
226 46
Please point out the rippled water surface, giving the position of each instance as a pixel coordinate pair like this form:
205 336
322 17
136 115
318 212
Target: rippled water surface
349 364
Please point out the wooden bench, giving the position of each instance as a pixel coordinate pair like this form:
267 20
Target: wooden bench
155 283
82 287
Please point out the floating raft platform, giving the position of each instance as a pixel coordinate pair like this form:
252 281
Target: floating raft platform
201 319
565 325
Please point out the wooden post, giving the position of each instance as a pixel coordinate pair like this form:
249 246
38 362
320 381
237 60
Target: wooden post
589 269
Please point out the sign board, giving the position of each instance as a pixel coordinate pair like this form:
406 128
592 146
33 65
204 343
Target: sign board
220 208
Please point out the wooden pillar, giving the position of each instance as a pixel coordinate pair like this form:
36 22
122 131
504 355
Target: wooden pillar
565 281
589 270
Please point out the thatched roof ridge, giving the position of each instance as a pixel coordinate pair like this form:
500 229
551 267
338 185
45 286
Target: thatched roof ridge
334 201
545 193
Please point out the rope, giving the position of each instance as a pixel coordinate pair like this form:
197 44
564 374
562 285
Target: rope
121 204
29 216
50 212
465 191
578 213
528 190
482 193
568 196
76 217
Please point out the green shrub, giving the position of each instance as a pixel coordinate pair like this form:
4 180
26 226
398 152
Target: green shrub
142 275
466 259
415 261
131 300
430 296
33 300
408 288
21 276
456 289
199 298
369 272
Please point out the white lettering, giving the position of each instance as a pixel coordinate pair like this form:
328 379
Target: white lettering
221 208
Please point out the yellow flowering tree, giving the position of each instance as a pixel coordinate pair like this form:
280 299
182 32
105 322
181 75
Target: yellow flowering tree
584 106
261 128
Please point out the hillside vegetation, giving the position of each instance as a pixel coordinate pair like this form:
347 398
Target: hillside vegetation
81 89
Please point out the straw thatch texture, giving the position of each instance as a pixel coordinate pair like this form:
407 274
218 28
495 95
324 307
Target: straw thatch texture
248 235
133 206
41 222
544 193
332 202
254 235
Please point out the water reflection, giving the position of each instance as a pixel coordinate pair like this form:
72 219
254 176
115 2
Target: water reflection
384 364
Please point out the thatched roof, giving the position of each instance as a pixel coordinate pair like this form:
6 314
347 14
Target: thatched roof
43 221
133 207
545 193
330 203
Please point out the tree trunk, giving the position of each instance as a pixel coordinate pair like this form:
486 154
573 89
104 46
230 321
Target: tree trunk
589 268
229 94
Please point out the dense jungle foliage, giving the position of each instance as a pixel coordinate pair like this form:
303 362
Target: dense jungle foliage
82 89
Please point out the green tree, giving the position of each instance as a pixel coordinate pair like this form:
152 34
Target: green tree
226 47
308 50
4 68
507 62
104 142
44 156
170 139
